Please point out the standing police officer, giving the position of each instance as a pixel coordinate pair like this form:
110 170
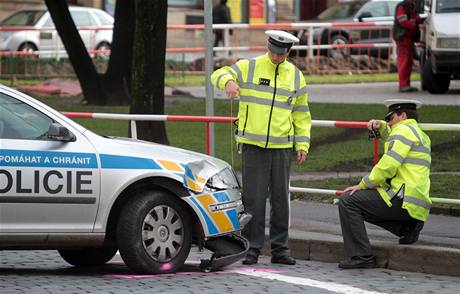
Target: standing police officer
395 195
273 118
405 33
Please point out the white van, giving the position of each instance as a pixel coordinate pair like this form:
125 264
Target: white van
440 58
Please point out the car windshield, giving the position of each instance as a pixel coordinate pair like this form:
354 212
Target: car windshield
341 10
445 6
23 18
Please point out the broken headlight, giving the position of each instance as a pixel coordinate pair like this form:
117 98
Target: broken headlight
223 180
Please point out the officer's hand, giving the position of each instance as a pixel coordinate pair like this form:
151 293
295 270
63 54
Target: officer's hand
352 189
232 89
301 156
373 124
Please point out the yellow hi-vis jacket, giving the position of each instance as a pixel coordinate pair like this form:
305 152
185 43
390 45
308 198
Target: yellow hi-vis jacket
273 105
404 169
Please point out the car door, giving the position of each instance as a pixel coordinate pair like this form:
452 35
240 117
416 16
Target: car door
84 21
45 185
50 42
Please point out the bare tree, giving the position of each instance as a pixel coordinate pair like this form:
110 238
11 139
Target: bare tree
136 65
81 61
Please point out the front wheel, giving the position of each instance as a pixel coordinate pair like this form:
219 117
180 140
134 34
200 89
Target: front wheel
434 83
104 46
88 256
154 233
339 52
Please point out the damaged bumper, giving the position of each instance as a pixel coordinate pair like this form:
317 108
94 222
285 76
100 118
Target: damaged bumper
220 212
227 249
219 208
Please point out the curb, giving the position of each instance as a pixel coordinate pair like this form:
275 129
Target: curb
411 258
452 211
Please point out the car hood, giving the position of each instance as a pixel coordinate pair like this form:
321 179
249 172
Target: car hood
194 168
443 24
149 149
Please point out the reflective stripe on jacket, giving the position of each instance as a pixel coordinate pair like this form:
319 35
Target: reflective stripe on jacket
273 108
404 169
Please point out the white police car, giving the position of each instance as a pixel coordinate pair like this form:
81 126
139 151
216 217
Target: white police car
63 187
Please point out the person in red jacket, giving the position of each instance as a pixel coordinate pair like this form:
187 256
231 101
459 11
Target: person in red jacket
406 33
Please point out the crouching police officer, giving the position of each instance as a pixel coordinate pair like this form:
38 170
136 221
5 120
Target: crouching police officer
395 195
273 118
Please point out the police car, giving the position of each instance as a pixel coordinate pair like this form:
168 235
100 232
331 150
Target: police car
63 187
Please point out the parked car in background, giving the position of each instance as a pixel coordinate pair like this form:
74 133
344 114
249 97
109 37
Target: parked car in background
32 29
352 11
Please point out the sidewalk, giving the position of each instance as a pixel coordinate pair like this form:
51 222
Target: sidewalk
315 235
358 93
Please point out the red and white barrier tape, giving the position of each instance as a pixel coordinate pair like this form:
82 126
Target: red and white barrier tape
316 123
231 26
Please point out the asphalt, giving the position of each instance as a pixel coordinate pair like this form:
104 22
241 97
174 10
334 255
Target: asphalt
354 93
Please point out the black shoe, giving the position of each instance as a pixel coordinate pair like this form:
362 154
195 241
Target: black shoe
411 232
358 262
407 89
250 260
283 259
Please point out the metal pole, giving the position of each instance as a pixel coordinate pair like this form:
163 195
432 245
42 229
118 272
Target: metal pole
209 64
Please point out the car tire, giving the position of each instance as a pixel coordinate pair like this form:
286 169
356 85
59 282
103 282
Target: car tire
154 233
422 62
434 83
339 39
88 256
28 48
103 46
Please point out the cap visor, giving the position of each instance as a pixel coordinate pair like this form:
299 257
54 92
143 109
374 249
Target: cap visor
275 49
388 116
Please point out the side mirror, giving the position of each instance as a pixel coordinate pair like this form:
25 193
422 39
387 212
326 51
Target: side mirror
364 14
58 132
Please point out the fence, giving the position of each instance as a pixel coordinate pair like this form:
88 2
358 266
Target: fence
220 119
324 47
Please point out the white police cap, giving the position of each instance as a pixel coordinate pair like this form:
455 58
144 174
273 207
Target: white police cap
396 104
280 41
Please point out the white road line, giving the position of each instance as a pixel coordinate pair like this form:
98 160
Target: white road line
334 287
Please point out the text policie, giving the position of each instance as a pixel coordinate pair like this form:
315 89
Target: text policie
52 182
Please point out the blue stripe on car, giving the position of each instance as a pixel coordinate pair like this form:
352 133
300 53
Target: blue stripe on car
211 227
233 216
127 162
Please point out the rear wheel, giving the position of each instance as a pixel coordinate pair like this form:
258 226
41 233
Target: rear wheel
154 233
88 256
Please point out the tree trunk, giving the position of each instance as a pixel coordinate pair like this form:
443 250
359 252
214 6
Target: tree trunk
149 67
78 55
117 79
